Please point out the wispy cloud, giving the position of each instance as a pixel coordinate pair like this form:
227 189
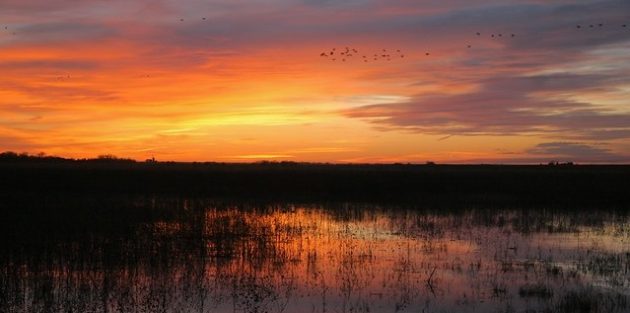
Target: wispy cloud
531 84
572 150
506 106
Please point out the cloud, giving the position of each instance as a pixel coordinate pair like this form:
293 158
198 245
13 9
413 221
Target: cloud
573 150
52 94
137 60
558 151
505 106
526 85
64 31
51 64
15 144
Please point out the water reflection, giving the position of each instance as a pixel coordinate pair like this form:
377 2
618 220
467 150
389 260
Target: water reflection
207 258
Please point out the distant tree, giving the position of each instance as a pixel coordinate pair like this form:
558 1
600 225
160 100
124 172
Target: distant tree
8 155
107 157
25 157
111 158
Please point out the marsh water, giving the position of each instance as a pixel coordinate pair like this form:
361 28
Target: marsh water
200 256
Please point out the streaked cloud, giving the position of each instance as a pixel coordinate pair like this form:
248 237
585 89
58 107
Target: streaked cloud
572 150
506 106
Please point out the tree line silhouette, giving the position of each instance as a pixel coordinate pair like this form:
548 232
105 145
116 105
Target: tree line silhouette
430 184
25 156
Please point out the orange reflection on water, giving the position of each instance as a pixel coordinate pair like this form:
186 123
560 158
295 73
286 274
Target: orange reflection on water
337 259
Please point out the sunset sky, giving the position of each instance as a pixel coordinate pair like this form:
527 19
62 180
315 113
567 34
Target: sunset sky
243 80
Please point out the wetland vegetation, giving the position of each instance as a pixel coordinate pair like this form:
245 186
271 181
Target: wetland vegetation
70 242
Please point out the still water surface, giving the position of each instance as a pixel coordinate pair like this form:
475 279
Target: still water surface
341 258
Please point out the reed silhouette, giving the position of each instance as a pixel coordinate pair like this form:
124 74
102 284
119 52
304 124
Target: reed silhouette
114 235
200 255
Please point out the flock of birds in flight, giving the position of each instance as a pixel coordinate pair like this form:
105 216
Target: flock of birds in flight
384 54
348 53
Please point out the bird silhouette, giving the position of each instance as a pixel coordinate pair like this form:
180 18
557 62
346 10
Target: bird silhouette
348 52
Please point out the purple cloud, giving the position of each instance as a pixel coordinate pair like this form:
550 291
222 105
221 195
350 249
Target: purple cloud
571 151
505 106
514 95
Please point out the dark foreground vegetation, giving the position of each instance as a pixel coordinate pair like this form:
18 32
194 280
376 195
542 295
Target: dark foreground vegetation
145 254
112 235
424 185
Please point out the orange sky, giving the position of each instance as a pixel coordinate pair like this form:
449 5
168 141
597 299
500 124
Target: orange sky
246 83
